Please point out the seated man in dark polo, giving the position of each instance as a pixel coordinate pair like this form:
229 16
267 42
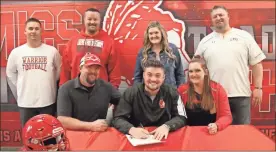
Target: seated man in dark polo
83 102
151 103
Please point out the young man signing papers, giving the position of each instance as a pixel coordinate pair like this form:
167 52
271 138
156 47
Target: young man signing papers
151 103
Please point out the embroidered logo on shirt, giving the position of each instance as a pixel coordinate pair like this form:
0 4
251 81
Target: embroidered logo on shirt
234 39
162 103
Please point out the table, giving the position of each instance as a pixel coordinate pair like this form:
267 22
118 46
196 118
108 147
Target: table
234 137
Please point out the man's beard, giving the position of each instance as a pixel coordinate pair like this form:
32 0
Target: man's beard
91 82
220 26
92 31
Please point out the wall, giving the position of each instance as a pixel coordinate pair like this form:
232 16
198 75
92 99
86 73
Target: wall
185 21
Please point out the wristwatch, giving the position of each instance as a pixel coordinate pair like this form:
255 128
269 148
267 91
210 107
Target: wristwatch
167 126
259 88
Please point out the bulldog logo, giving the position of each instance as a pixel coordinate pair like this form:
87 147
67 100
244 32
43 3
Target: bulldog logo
162 104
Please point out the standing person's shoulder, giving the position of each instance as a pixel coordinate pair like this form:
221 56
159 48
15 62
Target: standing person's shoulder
208 38
243 34
49 47
105 35
20 48
174 48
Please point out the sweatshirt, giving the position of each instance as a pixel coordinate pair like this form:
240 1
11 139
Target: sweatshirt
34 73
101 45
136 108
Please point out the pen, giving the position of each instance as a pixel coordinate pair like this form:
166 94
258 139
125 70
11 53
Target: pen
142 125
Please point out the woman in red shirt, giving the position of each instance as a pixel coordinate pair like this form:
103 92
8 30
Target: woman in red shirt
206 101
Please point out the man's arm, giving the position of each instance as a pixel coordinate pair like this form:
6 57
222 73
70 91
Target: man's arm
113 66
75 124
123 113
178 114
11 71
257 71
256 56
57 64
65 72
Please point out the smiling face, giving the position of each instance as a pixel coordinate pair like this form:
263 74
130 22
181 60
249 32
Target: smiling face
33 31
154 35
153 78
220 19
89 73
92 22
196 73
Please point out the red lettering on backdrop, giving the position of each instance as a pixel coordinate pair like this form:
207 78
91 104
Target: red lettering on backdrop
122 19
7 34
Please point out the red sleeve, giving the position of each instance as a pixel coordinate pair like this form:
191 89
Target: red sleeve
65 71
182 91
113 68
224 116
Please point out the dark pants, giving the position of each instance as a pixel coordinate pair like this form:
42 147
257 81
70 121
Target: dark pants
240 109
27 113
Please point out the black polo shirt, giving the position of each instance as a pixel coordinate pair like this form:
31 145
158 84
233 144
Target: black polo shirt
74 100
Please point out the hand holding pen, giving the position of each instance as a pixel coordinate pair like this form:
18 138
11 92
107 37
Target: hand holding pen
140 133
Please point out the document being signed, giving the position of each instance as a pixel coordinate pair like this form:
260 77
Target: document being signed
138 142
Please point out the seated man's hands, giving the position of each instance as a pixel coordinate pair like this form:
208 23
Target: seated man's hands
160 132
212 128
99 125
139 133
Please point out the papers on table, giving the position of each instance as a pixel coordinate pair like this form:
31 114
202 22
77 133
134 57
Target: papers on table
138 142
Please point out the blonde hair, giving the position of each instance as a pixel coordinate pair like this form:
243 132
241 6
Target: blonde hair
164 41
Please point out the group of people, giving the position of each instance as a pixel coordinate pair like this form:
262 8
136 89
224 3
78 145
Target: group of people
215 93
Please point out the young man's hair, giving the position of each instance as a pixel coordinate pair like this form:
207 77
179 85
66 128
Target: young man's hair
95 10
32 20
152 63
219 6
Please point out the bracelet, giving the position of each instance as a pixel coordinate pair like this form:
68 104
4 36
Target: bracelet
259 88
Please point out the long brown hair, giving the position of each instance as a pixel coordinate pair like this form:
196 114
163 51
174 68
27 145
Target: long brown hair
207 101
164 41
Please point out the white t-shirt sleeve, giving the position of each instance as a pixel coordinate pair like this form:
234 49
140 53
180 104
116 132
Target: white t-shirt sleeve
256 55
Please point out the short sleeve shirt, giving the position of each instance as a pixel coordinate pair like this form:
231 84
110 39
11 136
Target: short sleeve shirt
74 100
228 58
